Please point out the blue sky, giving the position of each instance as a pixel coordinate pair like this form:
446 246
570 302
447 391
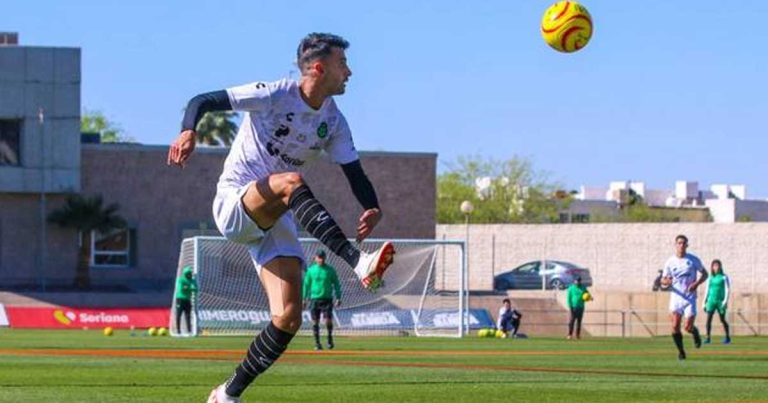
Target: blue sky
666 90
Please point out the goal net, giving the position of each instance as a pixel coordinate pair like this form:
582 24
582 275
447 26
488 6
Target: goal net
423 293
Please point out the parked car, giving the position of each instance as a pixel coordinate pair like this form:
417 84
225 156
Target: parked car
549 274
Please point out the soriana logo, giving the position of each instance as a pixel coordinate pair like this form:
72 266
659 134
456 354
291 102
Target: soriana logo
65 318
74 318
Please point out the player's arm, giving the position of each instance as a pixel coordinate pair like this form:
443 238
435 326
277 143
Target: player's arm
307 284
199 105
366 196
336 286
702 278
727 284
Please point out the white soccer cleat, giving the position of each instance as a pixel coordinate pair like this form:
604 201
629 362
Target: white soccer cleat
219 395
371 266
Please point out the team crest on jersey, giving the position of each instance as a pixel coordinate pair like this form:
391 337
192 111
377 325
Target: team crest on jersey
322 130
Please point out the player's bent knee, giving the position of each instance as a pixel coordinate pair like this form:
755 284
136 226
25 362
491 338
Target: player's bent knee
290 319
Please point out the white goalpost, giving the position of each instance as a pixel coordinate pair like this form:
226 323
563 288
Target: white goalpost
424 292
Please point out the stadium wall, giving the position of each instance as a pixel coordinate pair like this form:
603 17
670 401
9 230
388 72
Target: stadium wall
621 257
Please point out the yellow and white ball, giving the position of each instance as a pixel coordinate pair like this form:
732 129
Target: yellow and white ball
566 26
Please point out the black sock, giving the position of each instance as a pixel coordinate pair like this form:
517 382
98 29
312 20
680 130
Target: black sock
316 333
678 338
709 323
330 333
316 220
696 335
725 326
265 349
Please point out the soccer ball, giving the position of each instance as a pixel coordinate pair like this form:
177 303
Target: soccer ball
566 26
500 334
586 296
162 332
108 331
152 331
482 333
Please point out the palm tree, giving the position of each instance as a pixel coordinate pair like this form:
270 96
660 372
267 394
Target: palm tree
217 128
86 214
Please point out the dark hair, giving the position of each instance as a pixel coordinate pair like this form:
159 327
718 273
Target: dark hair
506 300
719 264
320 253
317 45
683 237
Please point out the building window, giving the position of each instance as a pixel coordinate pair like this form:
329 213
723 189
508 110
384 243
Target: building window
580 218
9 142
112 249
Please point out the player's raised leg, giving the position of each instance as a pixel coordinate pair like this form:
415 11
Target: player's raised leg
266 200
281 279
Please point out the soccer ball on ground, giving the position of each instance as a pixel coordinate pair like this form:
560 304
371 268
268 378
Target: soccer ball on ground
500 334
566 26
108 331
482 333
152 331
162 332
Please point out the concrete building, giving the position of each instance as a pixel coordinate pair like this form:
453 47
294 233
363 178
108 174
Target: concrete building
721 203
42 161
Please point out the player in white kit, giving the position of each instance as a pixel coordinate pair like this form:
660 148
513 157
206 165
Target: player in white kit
261 194
680 273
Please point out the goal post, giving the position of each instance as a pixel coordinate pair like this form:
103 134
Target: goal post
424 291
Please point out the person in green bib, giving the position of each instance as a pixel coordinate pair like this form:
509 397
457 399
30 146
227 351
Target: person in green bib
716 300
577 294
186 286
320 285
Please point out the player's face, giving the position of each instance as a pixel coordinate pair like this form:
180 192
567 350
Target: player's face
681 246
336 71
715 268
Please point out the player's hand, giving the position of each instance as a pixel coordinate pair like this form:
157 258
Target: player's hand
182 148
338 303
724 305
693 287
367 223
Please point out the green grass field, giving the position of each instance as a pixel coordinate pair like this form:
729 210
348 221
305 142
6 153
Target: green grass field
74 366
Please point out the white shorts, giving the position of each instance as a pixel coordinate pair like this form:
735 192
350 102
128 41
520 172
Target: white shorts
263 245
682 304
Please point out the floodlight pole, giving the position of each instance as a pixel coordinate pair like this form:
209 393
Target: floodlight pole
466 209
43 230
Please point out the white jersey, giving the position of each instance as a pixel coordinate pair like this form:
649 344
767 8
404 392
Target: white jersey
683 271
281 133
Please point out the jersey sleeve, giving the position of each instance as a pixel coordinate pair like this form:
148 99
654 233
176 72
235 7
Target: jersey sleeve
340 146
700 266
667 271
336 283
307 284
250 97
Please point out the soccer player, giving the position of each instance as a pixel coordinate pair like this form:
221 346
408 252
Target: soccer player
575 301
716 299
261 194
320 285
185 287
509 319
680 273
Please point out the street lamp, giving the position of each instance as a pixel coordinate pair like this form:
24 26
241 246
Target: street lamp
466 209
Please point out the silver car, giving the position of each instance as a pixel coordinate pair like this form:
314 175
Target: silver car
541 274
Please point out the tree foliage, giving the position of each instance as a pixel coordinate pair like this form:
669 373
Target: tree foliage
96 122
217 128
86 214
508 191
